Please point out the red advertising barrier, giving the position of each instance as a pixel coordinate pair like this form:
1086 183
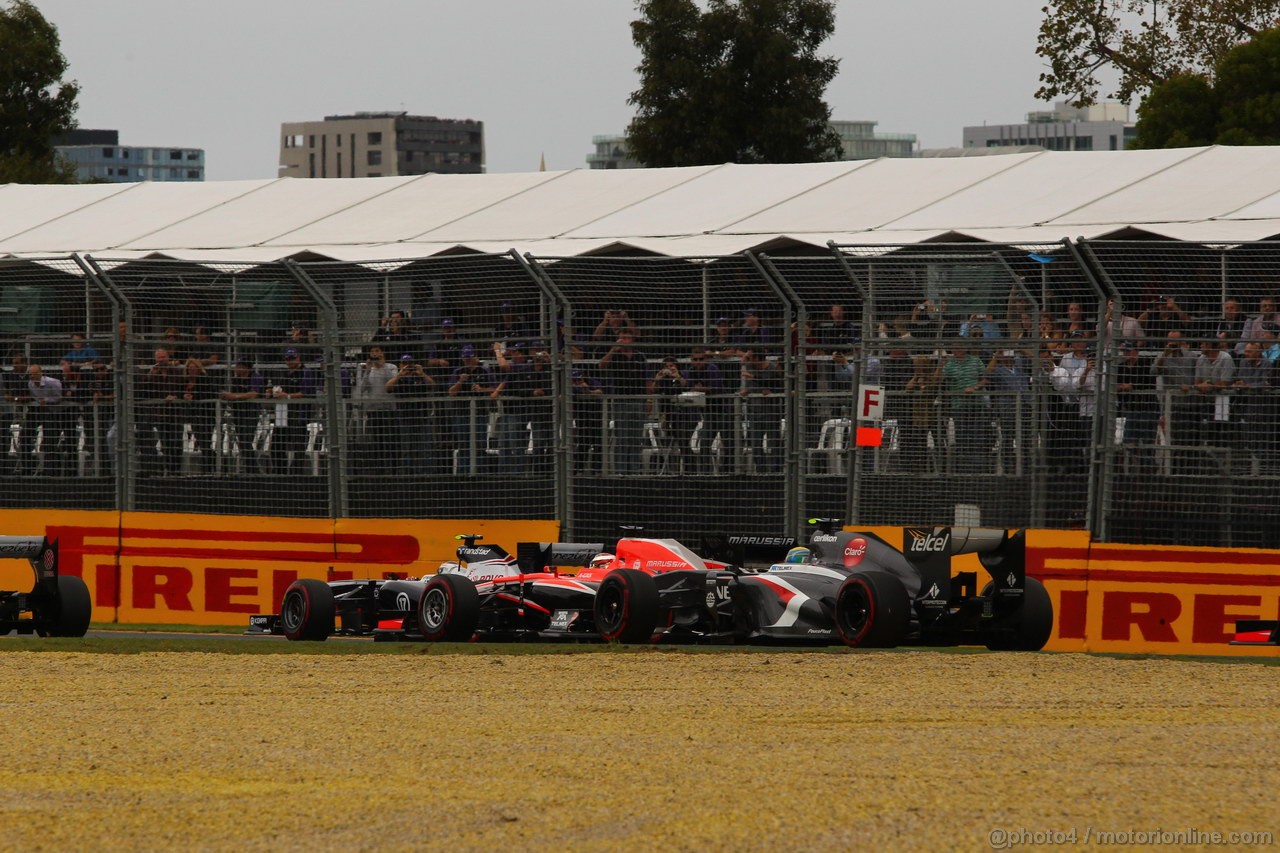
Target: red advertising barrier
160 568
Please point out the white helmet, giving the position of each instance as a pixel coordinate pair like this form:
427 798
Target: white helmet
449 566
602 561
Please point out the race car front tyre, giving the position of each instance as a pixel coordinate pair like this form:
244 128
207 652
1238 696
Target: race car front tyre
626 606
70 616
449 609
1030 627
307 610
873 610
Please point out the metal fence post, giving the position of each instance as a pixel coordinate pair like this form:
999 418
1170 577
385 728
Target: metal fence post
123 444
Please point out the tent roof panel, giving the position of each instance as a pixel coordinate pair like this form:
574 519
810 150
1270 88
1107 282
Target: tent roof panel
412 210
27 206
715 200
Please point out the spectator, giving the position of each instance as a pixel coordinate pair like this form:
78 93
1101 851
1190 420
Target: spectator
678 420
173 344
378 407
1125 327
197 409
1214 373
1230 328
394 334
985 322
626 377
413 388
836 330
962 376
511 326
46 415
1266 320
1175 370
99 421
922 391
1075 378
928 319
541 412
289 427
80 352
1076 321
158 414
705 376
242 410
516 382
721 343
613 323
1162 316
752 333
1254 401
203 348
1008 381
472 387
761 389
1137 399
588 425
17 395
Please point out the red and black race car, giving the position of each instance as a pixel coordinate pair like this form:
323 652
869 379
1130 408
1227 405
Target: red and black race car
490 595
1257 632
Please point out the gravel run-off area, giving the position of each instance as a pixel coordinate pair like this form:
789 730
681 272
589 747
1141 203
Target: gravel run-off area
666 750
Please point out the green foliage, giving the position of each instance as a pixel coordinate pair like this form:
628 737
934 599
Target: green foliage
1145 42
1240 105
35 105
742 82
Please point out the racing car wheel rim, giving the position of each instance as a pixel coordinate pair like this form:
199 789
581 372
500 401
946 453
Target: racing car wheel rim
611 601
855 611
435 609
293 612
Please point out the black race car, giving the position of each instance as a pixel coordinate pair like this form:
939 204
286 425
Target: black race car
851 587
56 606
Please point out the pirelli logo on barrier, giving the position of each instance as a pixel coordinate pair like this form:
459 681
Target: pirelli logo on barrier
203 577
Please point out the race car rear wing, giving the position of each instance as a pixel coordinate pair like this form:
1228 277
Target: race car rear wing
1001 553
539 556
40 552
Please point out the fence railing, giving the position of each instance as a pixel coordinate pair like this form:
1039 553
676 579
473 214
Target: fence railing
1127 387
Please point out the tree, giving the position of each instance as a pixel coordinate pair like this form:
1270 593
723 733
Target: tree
741 82
1146 42
35 104
1238 105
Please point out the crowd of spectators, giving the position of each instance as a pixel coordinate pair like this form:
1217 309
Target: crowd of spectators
478 398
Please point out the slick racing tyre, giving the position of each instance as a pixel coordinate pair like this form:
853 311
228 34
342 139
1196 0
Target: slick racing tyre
306 613
626 606
872 610
449 609
70 615
1030 627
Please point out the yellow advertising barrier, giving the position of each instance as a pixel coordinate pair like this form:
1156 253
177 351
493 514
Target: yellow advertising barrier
163 568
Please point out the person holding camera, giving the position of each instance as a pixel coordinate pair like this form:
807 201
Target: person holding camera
412 387
473 388
379 409
678 420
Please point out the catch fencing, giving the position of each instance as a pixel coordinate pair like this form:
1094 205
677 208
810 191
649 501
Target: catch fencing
1127 387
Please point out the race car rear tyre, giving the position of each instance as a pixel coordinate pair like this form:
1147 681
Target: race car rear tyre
626 606
1030 627
70 616
307 609
449 609
873 610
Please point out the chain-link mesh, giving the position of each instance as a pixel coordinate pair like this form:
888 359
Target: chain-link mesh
979 425
679 395
447 387
218 415
57 331
1126 386
1197 458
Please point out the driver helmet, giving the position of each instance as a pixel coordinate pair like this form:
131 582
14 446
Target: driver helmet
798 555
602 561
450 566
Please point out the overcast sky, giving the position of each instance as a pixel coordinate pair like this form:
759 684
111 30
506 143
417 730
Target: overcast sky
543 75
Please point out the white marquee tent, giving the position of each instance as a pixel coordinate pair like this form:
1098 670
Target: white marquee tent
1215 194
